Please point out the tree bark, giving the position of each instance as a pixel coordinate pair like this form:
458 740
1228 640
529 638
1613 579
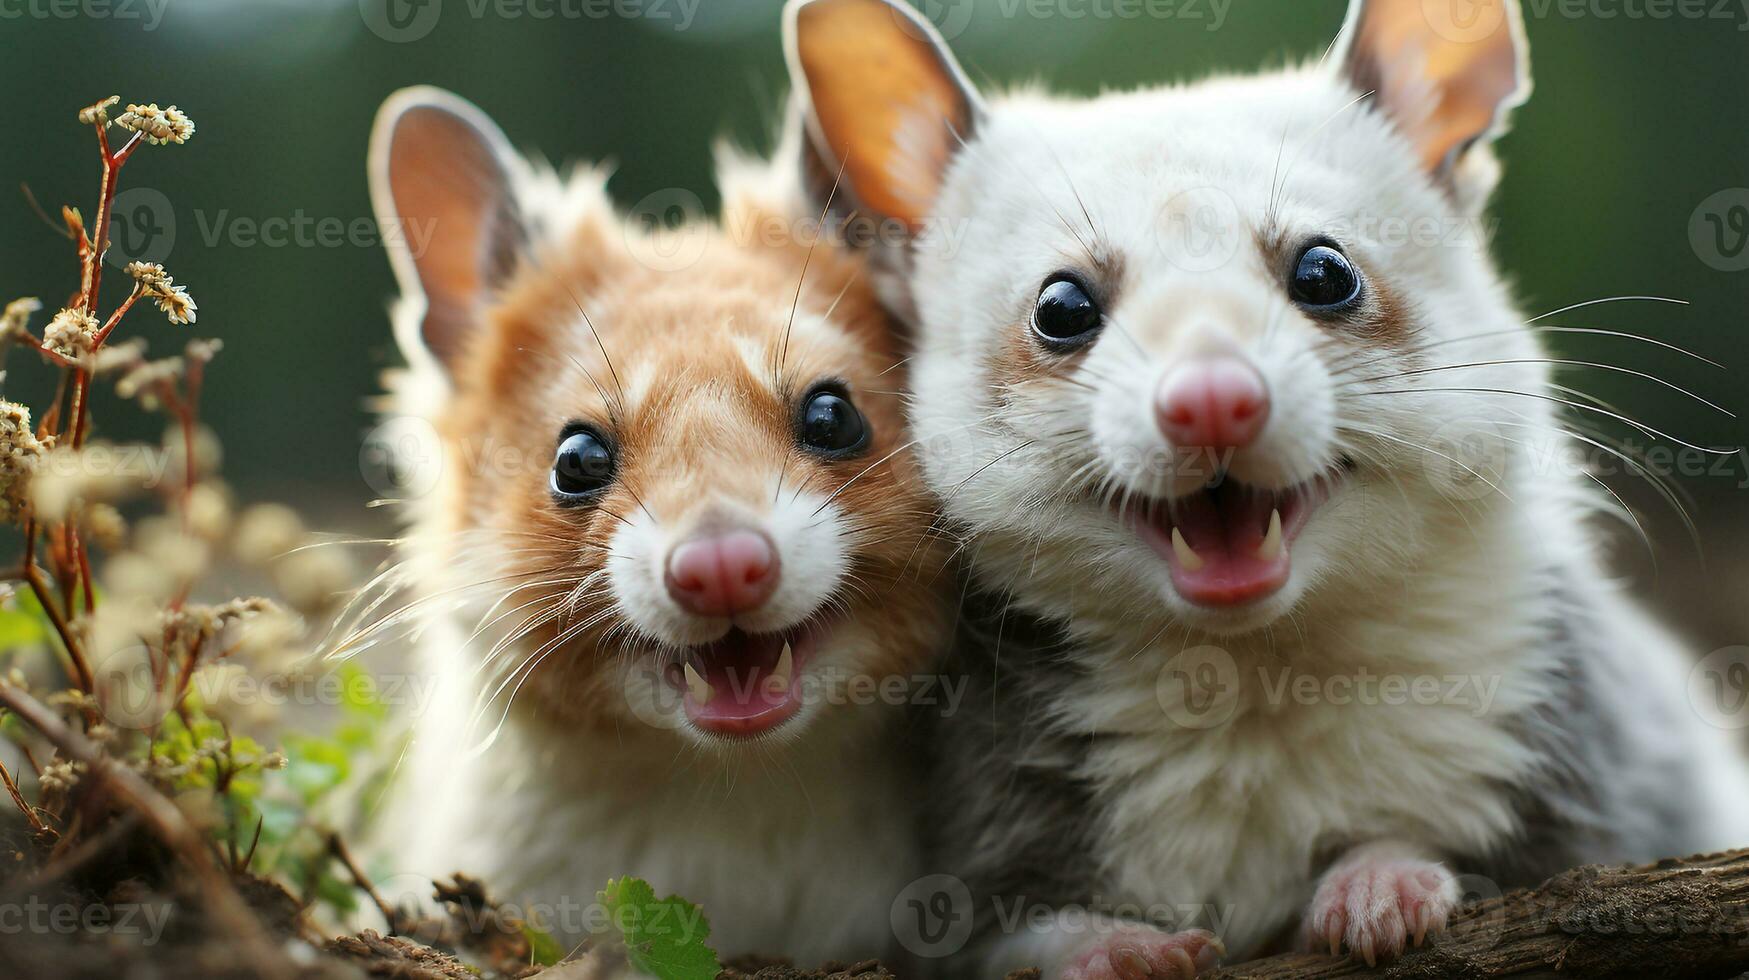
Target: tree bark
1680 919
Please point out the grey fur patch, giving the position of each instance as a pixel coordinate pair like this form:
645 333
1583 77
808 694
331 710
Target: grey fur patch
1615 784
1007 812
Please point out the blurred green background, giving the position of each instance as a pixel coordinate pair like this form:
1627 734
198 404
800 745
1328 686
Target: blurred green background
1638 121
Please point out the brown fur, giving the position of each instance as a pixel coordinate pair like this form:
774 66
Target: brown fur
687 412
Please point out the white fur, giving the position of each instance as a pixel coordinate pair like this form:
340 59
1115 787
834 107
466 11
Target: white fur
1412 568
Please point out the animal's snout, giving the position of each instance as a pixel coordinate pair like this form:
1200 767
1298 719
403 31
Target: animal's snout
723 573
1212 403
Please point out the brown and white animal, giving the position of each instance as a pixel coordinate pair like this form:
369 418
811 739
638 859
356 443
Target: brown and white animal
1237 414
673 544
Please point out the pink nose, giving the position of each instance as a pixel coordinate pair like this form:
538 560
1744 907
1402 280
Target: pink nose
721 574
1220 403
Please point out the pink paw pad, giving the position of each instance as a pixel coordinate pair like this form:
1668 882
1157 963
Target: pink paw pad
1377 908
1141 953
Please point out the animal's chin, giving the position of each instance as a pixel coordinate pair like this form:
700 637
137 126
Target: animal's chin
1229 546
745 685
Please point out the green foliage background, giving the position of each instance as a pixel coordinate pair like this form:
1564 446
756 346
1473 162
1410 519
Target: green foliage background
1635 122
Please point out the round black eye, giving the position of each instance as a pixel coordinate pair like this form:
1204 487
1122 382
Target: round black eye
1324 280
1065 316
831 426
582 468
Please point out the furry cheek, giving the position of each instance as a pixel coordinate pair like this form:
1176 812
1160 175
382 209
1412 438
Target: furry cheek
813 541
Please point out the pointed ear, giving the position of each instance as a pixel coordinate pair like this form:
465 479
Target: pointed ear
1447 73
441 181
886 101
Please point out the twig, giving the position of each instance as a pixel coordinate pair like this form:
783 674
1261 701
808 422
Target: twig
1674 919
164 819
337 847
29 811
80 670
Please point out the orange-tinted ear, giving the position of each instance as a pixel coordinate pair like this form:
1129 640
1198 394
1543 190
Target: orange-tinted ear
1446 71
887 101
440 182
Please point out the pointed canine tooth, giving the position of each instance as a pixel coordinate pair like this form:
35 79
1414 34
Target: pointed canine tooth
1186 557
778 682
1270 549
700 690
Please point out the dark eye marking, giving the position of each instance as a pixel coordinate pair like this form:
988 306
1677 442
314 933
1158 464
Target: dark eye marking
828 424
1324 280
583 466
1065 315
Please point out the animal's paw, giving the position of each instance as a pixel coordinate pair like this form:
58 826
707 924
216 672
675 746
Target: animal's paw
1142 953
1378 903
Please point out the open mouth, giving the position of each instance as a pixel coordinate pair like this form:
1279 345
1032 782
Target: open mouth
744 684
1228 544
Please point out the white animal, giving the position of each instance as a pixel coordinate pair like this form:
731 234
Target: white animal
1294 620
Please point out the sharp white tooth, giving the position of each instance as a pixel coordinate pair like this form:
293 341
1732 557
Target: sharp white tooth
1186 557
701 690
778 682
1270 549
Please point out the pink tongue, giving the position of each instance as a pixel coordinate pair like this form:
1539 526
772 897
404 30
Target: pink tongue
739 669
1225 528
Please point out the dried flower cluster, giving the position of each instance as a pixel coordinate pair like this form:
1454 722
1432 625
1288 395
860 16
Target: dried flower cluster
165 693
158 126
71 333
20 450
15 319
160 286
97 113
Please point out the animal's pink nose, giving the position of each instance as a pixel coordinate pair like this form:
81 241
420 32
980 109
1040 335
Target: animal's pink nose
723 573
1217 403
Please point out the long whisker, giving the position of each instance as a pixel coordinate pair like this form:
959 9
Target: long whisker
1651 432
1565 362
1608 299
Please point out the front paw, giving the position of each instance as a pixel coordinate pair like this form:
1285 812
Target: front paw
1144 953
1378 904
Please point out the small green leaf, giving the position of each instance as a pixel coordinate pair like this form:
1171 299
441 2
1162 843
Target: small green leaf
664 937
23 627
543 949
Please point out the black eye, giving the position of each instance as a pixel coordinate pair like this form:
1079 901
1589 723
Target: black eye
831 426
582 468
1324 280
1065 316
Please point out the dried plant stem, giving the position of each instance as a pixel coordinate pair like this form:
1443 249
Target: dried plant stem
337 847
115 318
29 811
78 668
164 819
112 164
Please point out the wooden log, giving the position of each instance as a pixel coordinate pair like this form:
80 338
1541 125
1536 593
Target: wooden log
1683 919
